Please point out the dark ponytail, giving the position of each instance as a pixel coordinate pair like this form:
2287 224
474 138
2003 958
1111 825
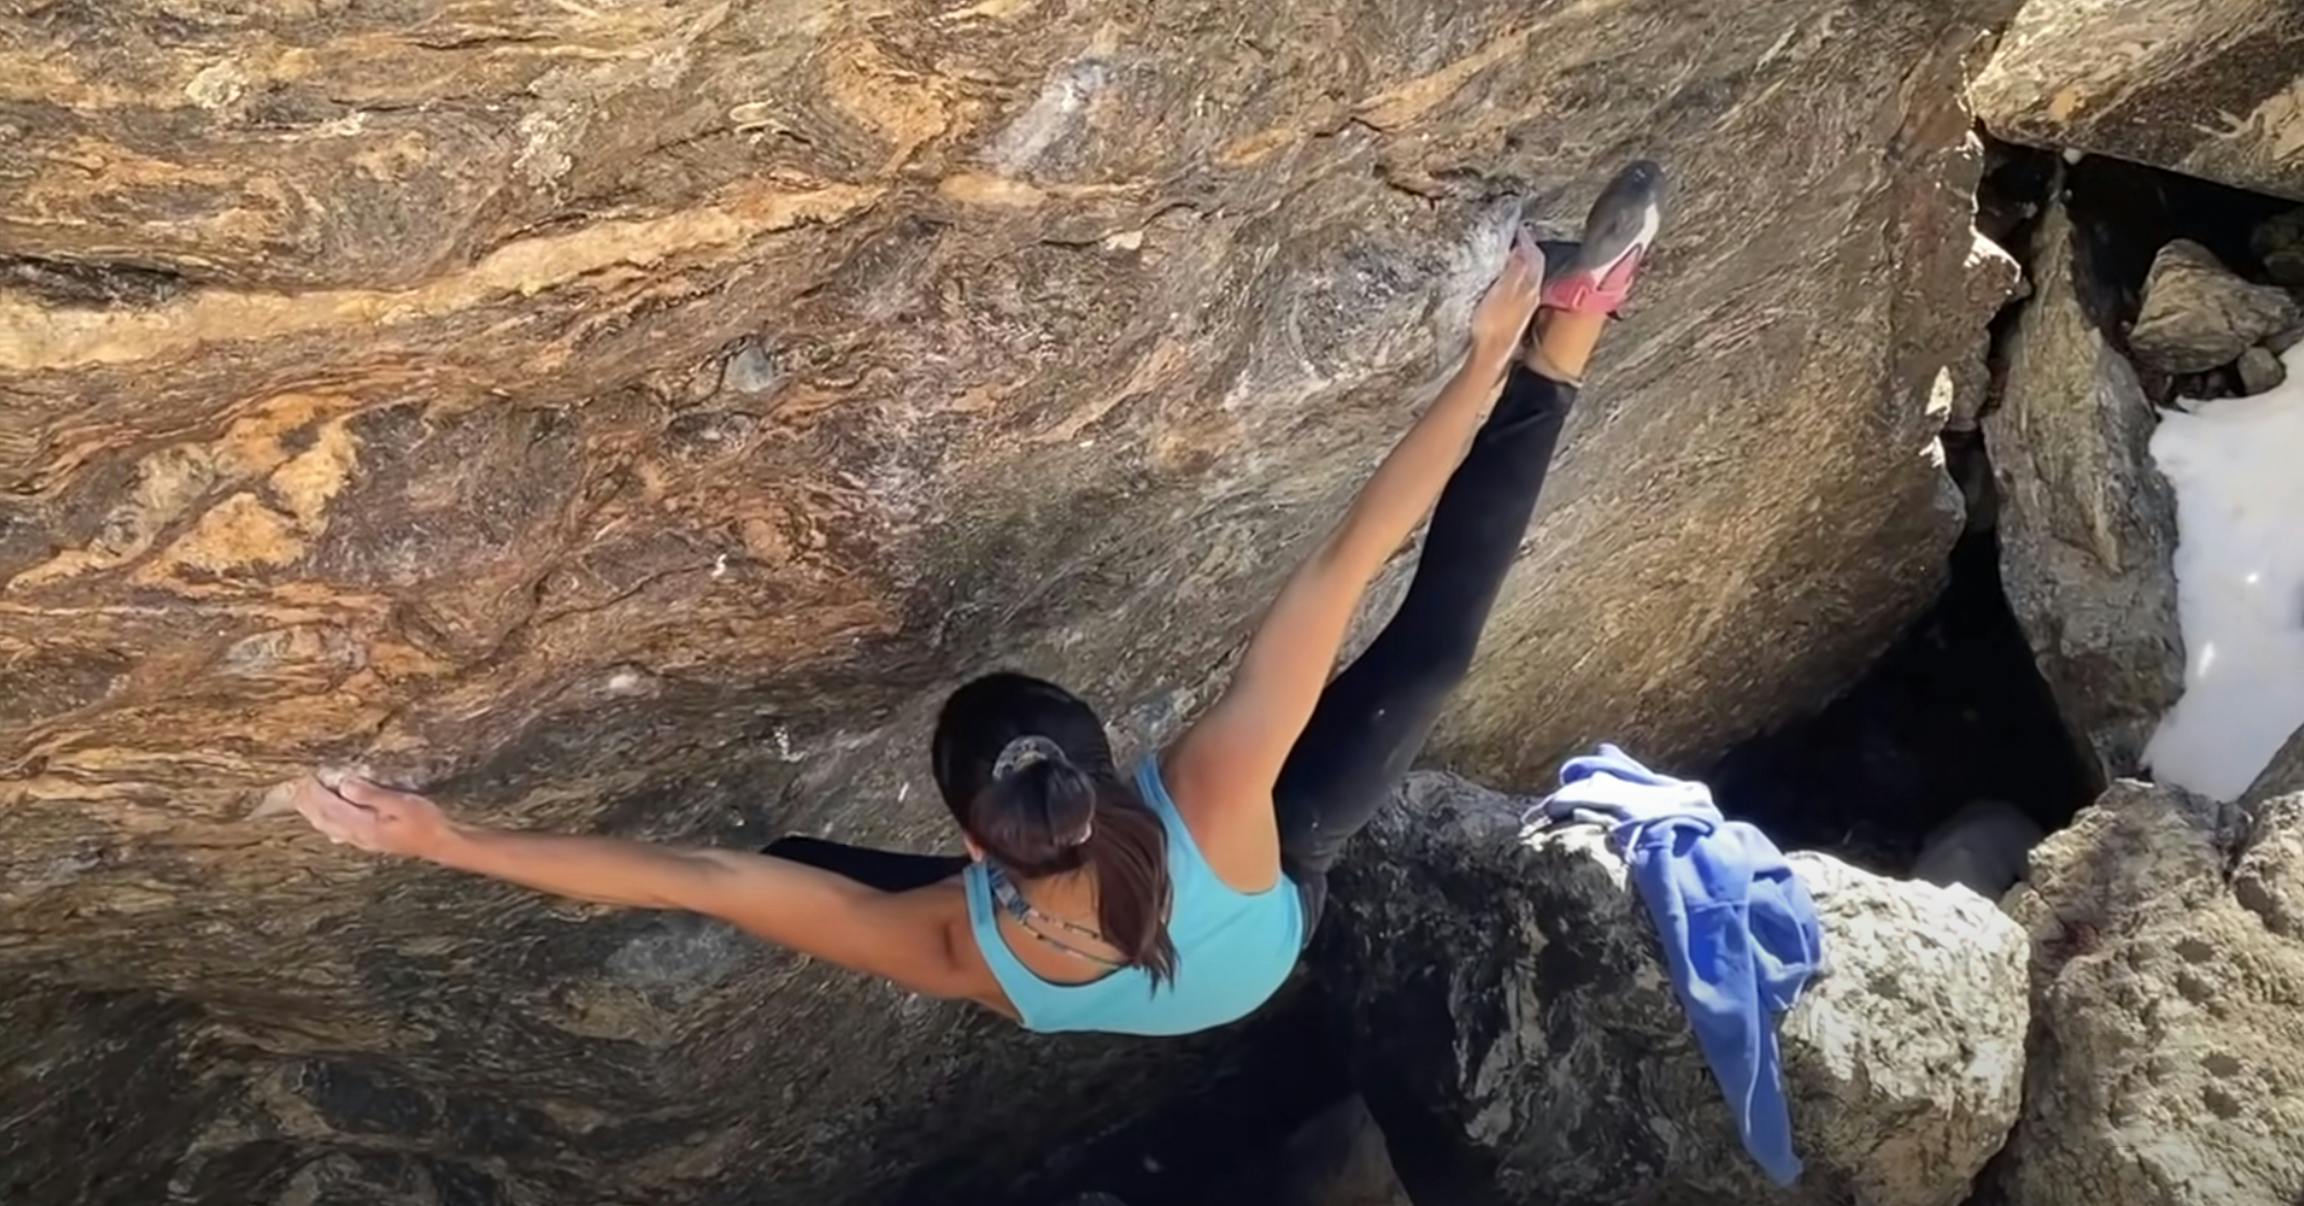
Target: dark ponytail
1027 770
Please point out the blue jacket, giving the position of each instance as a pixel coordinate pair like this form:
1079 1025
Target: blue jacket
1739 931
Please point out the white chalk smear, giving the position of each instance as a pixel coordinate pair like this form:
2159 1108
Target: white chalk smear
2238 469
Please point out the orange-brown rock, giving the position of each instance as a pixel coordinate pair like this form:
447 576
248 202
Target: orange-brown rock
630 416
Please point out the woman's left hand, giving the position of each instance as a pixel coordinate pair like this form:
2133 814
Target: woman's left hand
373 818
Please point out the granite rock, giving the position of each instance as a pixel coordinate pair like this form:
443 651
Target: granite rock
2168 955
2279 243
631 418
2209 88
2087 525
2198 314
1521 1046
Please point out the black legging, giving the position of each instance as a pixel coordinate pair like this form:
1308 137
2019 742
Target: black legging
1372 720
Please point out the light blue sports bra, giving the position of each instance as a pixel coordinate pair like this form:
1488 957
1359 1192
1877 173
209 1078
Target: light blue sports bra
1233 949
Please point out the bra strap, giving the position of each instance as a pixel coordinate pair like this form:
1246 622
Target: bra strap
1012 902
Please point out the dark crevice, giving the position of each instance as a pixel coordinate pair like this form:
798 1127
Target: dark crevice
1955 711
75 282
2123 214
1215 1147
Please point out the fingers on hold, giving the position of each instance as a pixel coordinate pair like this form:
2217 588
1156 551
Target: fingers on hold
327 825
336 819
1525 250
356 789
361 791
311 804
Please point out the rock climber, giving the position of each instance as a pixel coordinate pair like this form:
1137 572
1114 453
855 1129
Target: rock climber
1178 897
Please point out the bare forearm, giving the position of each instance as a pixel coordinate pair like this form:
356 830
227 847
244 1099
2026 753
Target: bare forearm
1405 486
596 869
903 936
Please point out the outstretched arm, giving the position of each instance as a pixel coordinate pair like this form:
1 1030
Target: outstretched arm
813 911
1235 751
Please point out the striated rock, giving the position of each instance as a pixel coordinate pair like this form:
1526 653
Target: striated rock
2087 525
2260 371
2279 242
2169 1051
2198 315
629 418
1995 280
2209 88
2283 776
1521 1044
111 1079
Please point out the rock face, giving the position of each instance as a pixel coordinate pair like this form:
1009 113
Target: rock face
2260 371
2169 956
2280 244
1521 1043
630 418
2210 88
2283 776
100 1090
2198 314
2087 525
1982 847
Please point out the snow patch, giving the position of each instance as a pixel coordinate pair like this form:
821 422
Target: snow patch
2238 469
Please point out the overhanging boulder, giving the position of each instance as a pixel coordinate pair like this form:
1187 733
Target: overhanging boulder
629 418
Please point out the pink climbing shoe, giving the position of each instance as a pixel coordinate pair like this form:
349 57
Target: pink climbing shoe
1594 276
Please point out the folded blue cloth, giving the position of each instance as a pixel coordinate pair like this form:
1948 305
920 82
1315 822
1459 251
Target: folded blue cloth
1739 931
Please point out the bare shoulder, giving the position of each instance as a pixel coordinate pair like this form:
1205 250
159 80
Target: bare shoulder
1230 822
942 908
942 953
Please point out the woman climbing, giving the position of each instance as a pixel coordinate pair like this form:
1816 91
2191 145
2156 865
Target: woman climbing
1180 897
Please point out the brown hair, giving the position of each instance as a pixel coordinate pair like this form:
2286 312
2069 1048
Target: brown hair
1027 770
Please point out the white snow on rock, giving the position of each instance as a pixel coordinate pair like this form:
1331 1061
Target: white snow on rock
2238 469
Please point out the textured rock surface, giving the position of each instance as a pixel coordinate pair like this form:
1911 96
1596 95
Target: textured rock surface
1521 1044
2283 776
2279 243
97 1094
629 417
2210 88
2198 314
2260 371
2087 525
2168 1068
